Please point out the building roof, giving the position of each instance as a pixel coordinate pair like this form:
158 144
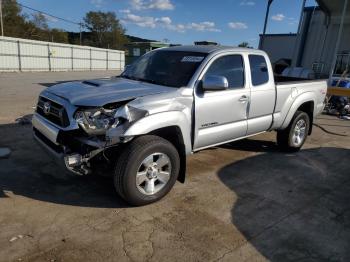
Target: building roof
289 34
333 6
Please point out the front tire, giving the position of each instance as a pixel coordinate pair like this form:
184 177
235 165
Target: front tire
293 137
146 170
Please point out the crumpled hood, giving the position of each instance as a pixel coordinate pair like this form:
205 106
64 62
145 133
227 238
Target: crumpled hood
104 91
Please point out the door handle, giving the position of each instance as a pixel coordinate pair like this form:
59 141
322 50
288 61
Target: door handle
243 99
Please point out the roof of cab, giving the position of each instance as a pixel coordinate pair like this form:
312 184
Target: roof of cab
209 49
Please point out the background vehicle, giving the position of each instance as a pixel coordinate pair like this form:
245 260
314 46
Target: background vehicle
339 105
170 103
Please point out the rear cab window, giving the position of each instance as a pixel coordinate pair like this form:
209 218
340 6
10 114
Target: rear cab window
258 70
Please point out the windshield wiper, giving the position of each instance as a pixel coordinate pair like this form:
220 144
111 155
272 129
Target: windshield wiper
130 77
144 80
149 81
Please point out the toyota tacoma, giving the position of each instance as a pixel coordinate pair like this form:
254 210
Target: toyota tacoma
139 126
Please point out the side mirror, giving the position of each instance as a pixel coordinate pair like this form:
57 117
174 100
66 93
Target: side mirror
214 83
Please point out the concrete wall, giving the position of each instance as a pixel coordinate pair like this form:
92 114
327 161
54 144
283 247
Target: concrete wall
279 46
18 54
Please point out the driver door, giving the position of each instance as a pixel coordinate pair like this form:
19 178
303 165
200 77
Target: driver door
221 115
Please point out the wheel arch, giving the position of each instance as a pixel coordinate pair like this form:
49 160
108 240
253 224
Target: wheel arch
308 108
174 135
304 103
173 126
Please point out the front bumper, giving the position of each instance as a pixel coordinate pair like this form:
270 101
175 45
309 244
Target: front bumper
56 156
45 128
46 135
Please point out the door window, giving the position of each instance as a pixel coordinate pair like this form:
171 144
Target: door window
231 67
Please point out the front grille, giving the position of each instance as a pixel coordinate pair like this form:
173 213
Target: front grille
52 111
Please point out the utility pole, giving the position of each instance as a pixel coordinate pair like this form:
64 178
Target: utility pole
1 20
81 36
265 24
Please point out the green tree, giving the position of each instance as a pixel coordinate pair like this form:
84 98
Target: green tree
40 21
244 44
37 27
17 24
107 32
59 36
13 20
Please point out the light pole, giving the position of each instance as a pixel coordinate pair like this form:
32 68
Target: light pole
1 20
265 23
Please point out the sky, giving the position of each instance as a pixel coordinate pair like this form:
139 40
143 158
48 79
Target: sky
228 22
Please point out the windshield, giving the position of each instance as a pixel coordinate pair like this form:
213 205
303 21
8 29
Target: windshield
169 68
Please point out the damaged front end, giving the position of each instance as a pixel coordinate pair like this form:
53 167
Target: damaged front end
93 138
101 131
97 121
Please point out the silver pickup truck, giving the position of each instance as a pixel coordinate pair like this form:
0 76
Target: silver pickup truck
140 126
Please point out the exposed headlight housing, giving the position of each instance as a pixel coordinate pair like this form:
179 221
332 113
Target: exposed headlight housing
95 121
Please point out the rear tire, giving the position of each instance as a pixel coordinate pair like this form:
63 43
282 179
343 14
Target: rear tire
293 137
146 170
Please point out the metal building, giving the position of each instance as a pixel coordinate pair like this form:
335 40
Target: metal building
324 34
279 46
137 49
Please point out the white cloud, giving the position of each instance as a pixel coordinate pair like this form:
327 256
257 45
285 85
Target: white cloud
203 26
180 28
97 3
161 5
278 17
142 21
152 4
137 4
237 25
247 2
125 11
166 22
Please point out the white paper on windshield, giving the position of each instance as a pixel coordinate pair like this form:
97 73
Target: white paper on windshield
192 59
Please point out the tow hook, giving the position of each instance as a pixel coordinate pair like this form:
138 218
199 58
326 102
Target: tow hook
77 164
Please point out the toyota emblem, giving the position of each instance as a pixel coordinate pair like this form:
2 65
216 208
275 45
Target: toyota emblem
46 108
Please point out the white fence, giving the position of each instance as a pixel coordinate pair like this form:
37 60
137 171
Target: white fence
18 54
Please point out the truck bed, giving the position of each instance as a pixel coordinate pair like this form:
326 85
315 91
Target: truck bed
289 89
282 79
